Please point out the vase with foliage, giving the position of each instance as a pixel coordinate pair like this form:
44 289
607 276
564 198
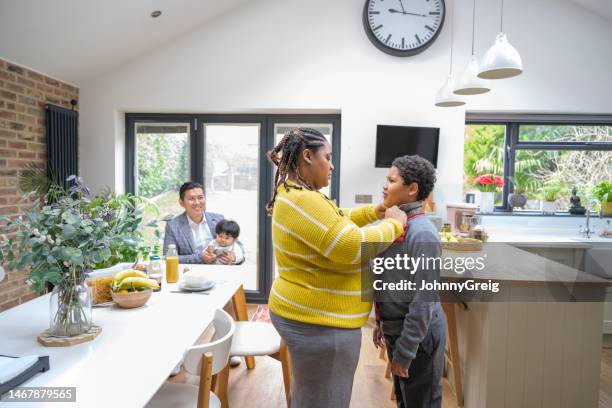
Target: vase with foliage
603 192
61 239
488 185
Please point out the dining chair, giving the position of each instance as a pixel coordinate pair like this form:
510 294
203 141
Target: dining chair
208 361
259 339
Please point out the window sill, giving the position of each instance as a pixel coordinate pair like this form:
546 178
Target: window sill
563 214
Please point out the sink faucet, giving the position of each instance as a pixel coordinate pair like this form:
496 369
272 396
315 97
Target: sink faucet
588 231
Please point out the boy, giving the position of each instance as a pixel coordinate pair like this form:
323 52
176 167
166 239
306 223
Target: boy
411 323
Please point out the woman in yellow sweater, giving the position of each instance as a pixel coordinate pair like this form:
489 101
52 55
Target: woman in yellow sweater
316 302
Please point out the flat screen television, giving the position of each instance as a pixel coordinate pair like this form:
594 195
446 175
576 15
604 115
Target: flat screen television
395 141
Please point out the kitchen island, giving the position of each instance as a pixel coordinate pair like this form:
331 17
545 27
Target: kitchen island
537 348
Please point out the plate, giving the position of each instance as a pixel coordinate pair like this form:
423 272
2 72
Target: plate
207 286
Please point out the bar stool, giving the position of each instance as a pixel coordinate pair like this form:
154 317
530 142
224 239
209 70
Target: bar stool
452 359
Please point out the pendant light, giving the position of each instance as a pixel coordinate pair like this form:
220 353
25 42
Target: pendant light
468 82
502 60
445 98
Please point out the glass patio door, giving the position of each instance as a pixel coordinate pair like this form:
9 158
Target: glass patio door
231 182
227 154
329 126
161 165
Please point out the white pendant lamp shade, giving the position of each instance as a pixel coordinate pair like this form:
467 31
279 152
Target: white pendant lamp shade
445 98
501 61
468 82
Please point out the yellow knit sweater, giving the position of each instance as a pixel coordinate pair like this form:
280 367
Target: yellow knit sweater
317 248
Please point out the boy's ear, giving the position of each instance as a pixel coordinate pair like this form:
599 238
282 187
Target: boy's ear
414 188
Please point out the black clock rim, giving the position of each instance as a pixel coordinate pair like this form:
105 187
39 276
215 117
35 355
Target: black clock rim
392 51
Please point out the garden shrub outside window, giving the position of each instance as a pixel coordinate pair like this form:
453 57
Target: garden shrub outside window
537 151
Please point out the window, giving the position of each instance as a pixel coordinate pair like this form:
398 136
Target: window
537 152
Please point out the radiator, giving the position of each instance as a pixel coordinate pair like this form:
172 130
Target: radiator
62 142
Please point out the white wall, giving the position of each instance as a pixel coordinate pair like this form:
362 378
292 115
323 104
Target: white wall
274 55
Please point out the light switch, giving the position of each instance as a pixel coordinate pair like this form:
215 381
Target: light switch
363 198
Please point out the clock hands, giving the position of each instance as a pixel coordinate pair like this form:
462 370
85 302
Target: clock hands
406 13
402 5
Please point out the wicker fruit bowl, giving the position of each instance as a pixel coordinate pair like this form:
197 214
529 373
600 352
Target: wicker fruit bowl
130 300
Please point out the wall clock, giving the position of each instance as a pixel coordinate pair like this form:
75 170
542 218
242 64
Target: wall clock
403 27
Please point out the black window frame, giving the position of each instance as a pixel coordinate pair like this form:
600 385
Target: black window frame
197 144
512 143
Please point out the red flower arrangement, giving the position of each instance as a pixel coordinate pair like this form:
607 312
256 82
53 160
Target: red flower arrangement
488 183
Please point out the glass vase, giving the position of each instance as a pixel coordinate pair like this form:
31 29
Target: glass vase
70 308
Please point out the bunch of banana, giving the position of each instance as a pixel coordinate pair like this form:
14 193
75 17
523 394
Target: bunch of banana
131 280
448 237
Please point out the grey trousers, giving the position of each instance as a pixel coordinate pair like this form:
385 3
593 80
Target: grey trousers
423 387
323 362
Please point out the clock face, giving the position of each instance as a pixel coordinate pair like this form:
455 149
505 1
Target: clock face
403 27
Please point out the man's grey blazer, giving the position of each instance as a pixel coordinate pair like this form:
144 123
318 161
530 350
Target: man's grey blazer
178 232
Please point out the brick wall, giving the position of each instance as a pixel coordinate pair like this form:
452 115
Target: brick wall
23 96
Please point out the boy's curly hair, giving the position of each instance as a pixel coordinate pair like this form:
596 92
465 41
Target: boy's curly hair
419 170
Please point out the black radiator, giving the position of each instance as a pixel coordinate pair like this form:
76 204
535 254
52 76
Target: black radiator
62 142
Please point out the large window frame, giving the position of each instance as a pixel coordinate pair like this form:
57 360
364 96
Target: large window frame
512 142
197 144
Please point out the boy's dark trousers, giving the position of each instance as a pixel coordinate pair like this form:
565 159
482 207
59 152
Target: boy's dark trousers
423 387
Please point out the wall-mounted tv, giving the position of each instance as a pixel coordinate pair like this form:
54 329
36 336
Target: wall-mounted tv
395 141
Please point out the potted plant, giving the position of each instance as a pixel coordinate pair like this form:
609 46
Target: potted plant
603 192
520 184
488 185
60 241
549 194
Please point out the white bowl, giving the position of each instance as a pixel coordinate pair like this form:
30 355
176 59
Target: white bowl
194 280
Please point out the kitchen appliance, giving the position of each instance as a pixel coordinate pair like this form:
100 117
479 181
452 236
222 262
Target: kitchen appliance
457 212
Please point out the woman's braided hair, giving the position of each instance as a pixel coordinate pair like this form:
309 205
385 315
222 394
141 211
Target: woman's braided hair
286 155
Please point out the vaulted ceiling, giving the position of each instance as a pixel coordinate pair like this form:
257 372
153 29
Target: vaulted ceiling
77 40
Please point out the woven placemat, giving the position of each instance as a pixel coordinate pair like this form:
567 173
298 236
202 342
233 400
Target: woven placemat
48 340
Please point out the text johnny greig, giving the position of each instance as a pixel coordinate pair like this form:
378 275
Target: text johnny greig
404 262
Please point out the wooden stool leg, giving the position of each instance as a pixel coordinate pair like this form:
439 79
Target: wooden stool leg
239 304
382 354
451 321
286 366
388 370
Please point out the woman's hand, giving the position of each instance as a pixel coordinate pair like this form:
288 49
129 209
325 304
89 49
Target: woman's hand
380 210
399 370
377 336
396 214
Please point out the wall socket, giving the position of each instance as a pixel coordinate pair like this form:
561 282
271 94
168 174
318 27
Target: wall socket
363 198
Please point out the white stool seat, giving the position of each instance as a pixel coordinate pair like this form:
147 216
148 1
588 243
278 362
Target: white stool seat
255 339
179 395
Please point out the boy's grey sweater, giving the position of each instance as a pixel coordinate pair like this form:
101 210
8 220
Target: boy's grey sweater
411 320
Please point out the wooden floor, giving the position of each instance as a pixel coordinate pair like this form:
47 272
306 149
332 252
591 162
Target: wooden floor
605 379
263 386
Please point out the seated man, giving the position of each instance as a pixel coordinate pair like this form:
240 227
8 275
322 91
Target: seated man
194 228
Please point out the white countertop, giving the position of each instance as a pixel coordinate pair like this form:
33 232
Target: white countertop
547 238
132 357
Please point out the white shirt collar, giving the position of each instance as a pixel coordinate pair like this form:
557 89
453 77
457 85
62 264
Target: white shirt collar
193 224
